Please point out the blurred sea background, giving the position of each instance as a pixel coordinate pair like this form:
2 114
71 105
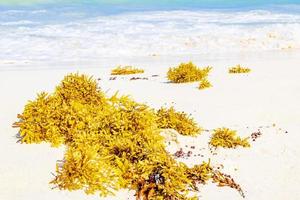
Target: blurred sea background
82 30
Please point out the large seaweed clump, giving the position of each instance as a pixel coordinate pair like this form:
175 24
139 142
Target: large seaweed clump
126 70
187 72
111 143
238 70
226 138
179 121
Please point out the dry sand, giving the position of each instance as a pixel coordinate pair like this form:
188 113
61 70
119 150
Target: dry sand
266 99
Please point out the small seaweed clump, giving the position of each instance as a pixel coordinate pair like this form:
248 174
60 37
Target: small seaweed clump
187 72
238 69
204 83
126 70
111 142
179 121
226 180
226 138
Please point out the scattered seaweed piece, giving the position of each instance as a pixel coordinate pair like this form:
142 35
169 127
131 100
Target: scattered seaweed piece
226 138
226 180
187 72
112 78
238 69
126 70
138 78
204 84
179 121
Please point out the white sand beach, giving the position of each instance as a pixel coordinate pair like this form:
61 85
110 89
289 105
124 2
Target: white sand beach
267 99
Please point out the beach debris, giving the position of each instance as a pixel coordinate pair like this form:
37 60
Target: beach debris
226 138
112 78
238 69
187 72
204 84
189 153
138 78
126 70
181 154
220 167
255 135
155 75
179 121
19 137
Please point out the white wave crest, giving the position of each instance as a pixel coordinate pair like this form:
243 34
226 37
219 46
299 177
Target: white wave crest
160 33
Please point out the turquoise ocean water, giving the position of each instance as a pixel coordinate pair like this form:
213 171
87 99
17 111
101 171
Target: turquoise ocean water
62 30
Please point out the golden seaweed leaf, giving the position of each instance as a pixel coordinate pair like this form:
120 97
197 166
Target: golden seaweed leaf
200 173
179 121
204 83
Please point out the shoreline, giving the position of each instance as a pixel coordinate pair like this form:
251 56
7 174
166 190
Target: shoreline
268 95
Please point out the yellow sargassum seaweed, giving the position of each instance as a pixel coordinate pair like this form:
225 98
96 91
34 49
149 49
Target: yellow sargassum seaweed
224 137
238 69
179 121
204 83
187 72
126 70
111 143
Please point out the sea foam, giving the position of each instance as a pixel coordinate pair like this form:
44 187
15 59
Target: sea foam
145 34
